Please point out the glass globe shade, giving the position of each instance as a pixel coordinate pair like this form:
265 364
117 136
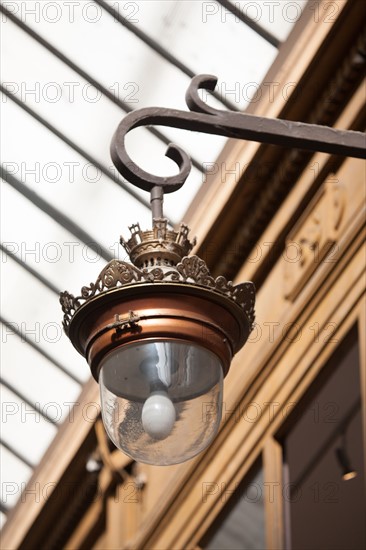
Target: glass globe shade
161 399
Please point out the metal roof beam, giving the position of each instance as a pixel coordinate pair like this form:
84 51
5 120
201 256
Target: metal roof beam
18 456
235 10
13 327
86 76
24 399
73 145
55 214
158 49
30 269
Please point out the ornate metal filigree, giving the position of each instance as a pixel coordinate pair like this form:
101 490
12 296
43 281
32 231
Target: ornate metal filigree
191 270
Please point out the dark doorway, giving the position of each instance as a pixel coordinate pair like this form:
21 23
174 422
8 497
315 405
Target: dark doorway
323 510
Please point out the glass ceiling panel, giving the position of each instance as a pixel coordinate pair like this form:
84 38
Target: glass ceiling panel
273 15
64 178
87 196
14 476
37 314
53 390
44 245
110 53
24 429
63 98
76 113
199 34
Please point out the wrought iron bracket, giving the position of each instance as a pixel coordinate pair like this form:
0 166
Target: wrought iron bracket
206 119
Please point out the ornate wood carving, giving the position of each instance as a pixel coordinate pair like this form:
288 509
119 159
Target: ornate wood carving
313 239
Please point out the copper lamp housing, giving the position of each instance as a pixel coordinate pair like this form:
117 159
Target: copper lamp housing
165 298
158 297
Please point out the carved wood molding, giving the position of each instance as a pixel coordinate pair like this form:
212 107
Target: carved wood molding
314 237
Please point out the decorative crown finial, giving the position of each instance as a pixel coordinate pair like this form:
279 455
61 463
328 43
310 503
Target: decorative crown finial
158 246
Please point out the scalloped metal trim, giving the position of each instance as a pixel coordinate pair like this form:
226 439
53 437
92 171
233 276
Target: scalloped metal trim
191 270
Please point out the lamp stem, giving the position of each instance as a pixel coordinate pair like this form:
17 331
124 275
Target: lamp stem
156 201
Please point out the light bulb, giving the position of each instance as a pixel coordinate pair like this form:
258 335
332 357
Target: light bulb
161 400
158 415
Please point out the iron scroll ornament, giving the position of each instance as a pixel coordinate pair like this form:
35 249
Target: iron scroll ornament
205 119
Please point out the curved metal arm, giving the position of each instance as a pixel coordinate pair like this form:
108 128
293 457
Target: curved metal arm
230 124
